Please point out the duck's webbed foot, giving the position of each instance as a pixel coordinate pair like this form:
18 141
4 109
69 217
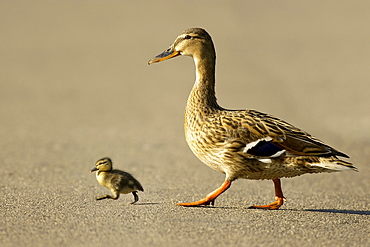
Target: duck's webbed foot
203 202
275 205
210 198
279 197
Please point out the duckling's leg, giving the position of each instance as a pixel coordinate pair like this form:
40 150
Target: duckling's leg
210 198
136 197
114 197
279 197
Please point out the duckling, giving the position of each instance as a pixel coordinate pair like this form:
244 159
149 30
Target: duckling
116 180
244 144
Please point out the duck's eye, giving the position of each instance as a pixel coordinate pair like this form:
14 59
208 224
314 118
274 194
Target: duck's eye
187 37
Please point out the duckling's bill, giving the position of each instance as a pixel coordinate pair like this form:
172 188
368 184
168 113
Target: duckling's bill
167 54
94 169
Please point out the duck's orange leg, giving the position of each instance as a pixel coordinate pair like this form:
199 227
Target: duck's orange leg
210 198
279 197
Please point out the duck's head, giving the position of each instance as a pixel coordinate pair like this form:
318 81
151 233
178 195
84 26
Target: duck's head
103 165
194 42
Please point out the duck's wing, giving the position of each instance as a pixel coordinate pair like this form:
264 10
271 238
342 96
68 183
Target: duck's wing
264 135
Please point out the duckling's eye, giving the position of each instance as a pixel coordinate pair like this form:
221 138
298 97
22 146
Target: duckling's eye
187 37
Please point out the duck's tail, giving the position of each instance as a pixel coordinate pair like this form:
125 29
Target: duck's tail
334 164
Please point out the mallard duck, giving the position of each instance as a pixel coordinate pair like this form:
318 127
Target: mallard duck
119 182
243 143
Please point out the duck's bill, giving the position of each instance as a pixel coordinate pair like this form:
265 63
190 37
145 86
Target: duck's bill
94 169
167 54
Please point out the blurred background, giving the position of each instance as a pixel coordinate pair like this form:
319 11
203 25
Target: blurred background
75 86
74 74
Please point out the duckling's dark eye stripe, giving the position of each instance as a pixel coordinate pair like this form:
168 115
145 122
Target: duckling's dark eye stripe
187 36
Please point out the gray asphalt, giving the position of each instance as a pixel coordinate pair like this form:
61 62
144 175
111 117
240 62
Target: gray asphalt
75 87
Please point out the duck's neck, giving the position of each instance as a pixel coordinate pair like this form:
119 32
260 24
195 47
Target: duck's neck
203 95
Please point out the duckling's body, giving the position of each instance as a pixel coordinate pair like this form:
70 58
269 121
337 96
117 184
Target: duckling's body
243 143
119 182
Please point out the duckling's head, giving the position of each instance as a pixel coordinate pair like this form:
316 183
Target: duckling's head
103 165
194 42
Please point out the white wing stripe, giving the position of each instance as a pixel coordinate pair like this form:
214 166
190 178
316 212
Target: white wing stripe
266 161
277 154
253 144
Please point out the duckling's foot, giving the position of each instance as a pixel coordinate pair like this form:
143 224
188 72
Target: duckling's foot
279 197
275 205
107 196
210 198
136 197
